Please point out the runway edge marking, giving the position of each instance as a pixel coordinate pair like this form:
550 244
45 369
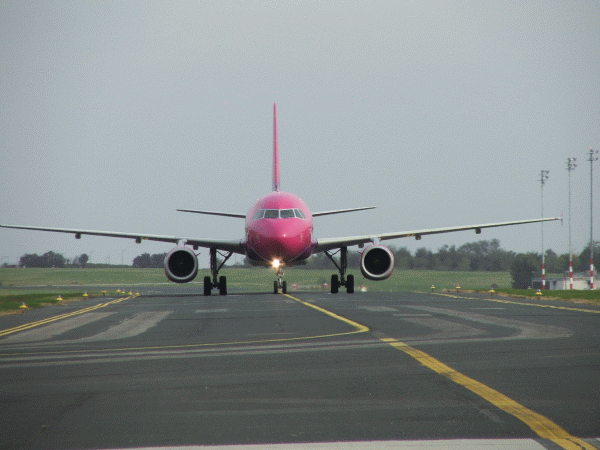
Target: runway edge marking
541 425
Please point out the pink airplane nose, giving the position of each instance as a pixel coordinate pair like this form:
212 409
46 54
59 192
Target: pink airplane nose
278 239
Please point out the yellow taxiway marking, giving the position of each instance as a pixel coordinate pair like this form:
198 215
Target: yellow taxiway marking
541 425
27 326
359 328
498 300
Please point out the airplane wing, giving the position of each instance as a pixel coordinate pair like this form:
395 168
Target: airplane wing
243 216
229 246
339 211
333 243
214 213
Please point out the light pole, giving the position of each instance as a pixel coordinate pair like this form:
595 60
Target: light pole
591 160
570 167
543 178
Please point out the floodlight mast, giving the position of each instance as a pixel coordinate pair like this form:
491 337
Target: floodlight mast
543 178
591 159
570 167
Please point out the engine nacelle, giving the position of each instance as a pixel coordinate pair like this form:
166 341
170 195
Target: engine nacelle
181 265
377 262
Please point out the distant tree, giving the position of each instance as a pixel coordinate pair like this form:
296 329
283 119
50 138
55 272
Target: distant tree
583 264
145 261
563 262
29 260
158 260
48 259
52 259
142 261
320 261
82 260
552 262
403 259
523 269
353 259
423 259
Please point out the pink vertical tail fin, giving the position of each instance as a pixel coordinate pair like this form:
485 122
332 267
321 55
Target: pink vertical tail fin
275 151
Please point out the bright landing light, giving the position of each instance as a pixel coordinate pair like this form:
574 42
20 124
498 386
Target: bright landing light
276 263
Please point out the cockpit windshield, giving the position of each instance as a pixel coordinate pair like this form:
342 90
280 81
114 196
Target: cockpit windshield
279 214
271 214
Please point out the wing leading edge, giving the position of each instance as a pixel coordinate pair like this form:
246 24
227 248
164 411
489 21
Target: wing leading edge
333 243
214 213
229 246
340 211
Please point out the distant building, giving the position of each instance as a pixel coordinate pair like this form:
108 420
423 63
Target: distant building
580 282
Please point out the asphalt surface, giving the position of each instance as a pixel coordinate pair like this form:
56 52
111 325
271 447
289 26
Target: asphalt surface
174 368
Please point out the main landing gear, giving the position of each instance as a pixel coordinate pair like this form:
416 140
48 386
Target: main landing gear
221 283
343 280
280 284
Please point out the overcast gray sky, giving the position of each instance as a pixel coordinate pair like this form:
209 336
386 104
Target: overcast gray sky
440 113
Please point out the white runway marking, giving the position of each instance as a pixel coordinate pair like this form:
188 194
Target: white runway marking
523 330
378 308
55 329
411 315
445 329
138 324
455 444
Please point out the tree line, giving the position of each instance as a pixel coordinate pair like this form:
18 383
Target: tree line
470 257
483 255
146 260
52 259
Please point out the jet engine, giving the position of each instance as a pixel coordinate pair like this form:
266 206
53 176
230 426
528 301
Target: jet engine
377 262
181 265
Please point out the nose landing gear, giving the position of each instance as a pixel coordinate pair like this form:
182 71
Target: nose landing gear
280 284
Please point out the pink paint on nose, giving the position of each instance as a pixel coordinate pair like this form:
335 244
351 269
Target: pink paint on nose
284 239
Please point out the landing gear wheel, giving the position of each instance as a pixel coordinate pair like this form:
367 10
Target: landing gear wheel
207 285
350 284
223 285
284 287
275 287
335 284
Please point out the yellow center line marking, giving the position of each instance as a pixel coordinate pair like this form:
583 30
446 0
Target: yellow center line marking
359 328
541 425
27 326
497 300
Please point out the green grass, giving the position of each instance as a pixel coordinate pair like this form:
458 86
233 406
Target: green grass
254 280
11 302
591 296
72 276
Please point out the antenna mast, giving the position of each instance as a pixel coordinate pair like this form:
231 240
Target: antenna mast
543 178
570 167
591 160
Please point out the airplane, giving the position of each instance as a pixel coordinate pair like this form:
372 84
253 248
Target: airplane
279 233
